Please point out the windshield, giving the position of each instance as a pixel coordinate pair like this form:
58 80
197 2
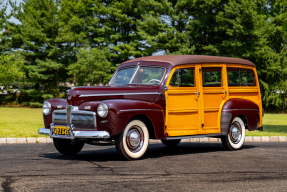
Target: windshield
138 75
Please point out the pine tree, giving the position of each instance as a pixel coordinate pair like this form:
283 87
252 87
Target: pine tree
35 39
181 27
5 42
273 74
92 66
102 24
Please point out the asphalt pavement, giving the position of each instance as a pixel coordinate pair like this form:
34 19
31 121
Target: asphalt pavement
188 167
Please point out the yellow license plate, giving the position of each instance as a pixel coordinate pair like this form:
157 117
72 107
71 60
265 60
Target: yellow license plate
61 130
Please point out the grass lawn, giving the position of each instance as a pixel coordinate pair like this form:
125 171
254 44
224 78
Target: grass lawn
20 122
273 125
25 122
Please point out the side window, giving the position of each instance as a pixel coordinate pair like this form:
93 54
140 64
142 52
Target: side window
247 77
233 76
240 77
182 78
211 77
174 79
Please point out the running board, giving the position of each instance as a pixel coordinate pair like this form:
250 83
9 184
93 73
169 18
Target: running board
193 136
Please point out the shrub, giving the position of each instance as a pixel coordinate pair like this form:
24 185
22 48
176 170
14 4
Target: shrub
47 96
35 105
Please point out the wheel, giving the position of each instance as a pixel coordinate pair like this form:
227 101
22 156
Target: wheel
133 141
68 147
235 138
171 143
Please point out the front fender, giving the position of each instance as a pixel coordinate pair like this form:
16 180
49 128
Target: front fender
239 107
55 104
122 111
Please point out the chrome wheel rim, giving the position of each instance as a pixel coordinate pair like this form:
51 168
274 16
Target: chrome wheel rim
235 132
135 139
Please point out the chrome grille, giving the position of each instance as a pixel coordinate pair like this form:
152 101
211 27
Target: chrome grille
60 119
80 121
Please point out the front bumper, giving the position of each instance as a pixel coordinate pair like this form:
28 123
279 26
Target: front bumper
77 134
68 123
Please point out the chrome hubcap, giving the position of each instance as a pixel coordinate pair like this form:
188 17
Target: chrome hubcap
235 132
134 139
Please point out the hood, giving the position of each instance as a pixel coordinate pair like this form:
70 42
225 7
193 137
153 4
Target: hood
78 95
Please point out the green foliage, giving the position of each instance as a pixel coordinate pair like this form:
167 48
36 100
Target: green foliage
32 95
11 69
47 96
36 41
35 104
92 66
47 72
5 43
82 41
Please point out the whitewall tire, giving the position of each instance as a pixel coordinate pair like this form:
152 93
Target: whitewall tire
133 141
236 135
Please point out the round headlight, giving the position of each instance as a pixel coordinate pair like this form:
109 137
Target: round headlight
46 108
102 110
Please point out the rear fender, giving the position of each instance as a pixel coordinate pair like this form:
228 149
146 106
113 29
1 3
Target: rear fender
246 109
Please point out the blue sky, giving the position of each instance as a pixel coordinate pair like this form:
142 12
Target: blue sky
9 9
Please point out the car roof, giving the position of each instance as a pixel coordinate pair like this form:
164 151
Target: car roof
192 59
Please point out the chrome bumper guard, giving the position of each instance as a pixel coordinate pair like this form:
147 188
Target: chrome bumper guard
78 134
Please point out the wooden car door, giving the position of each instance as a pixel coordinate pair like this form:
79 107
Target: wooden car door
214 94
182 102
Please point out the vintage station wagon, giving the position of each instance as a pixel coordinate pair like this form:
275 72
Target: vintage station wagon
170 98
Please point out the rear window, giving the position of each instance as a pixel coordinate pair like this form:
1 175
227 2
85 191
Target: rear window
238 77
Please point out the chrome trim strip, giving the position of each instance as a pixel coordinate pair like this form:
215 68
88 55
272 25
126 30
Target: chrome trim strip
141 110
76 112
241 110
114 94
78 134
193 136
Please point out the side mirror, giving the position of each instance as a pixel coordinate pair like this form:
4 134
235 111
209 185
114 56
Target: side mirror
165 88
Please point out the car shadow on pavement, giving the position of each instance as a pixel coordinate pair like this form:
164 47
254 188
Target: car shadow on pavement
188 148
155 150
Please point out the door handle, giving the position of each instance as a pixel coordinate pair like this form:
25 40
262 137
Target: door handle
225 94
198 93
